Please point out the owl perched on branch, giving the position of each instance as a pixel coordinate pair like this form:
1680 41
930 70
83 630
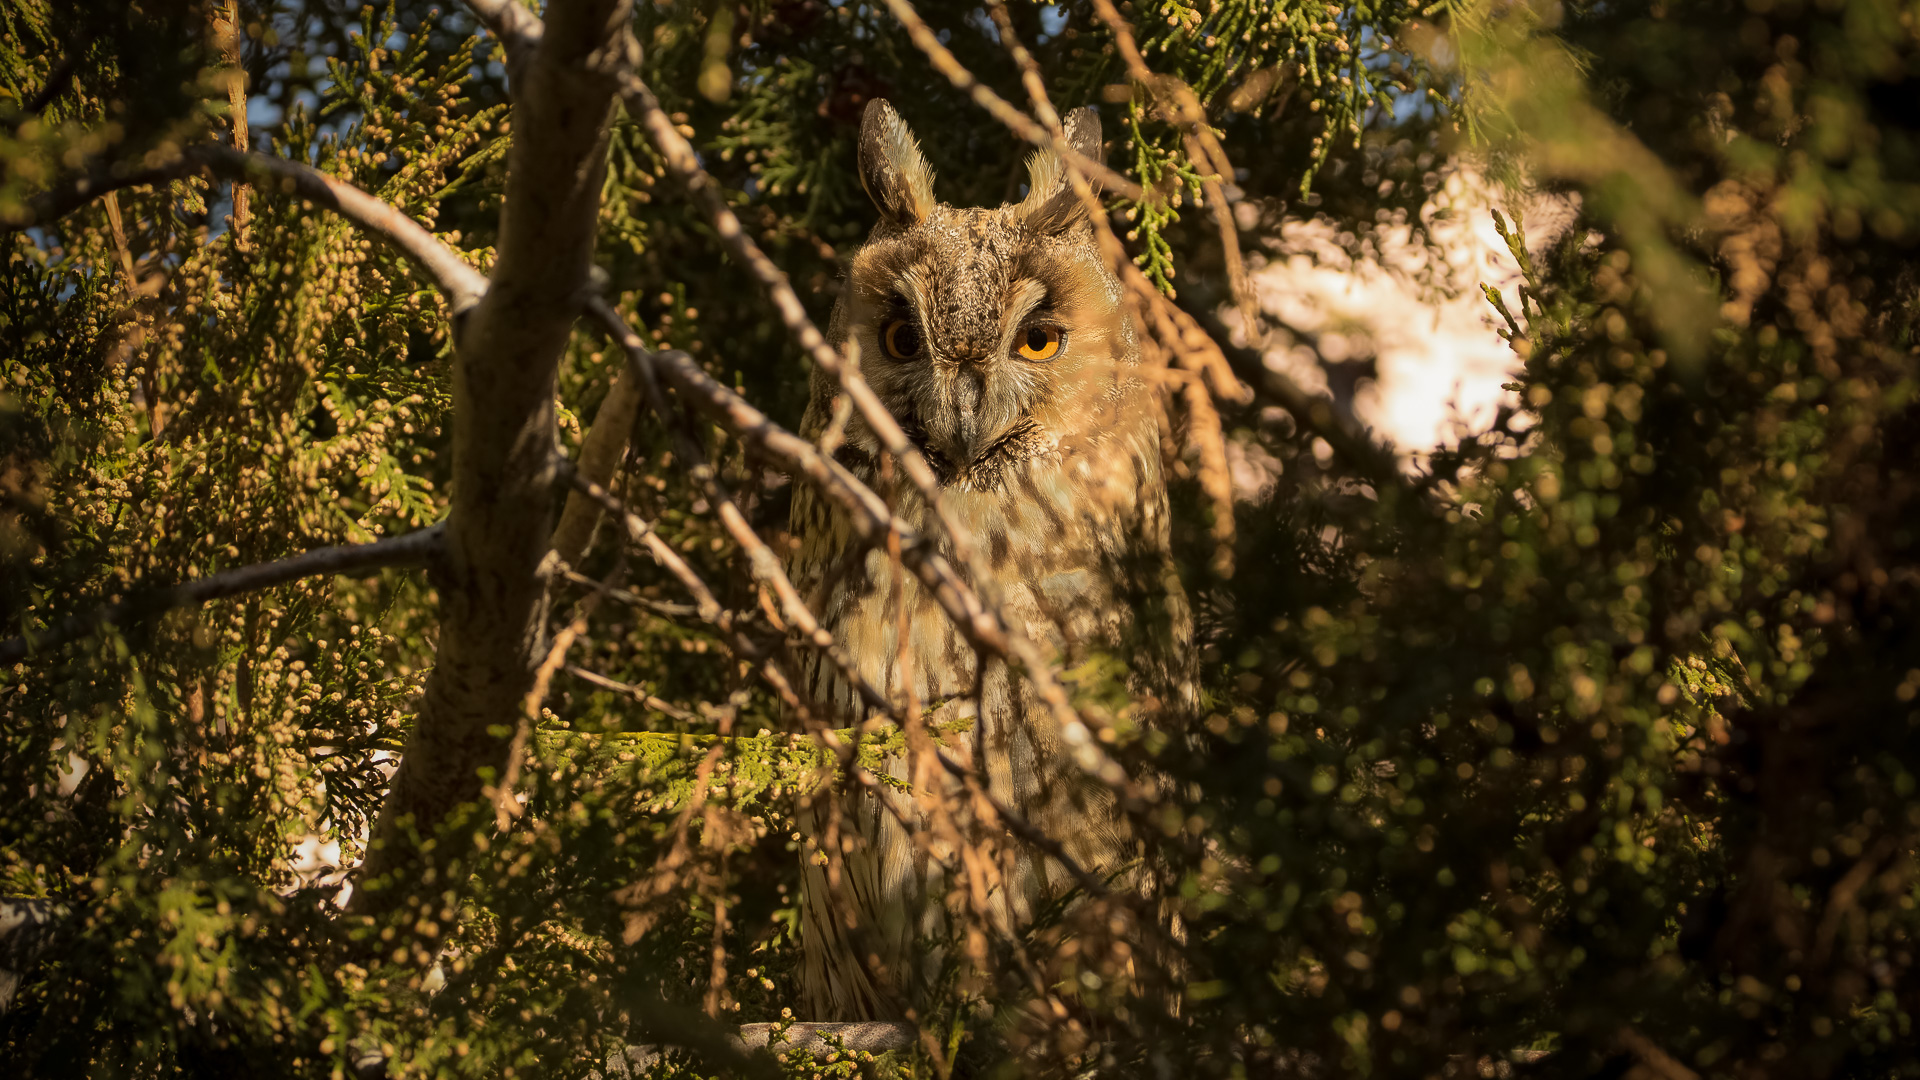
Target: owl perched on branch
999 340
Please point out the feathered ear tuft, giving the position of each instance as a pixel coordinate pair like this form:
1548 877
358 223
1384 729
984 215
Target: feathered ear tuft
1051 205
892 169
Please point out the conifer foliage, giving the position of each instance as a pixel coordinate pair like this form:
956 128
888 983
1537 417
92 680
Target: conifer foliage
394 453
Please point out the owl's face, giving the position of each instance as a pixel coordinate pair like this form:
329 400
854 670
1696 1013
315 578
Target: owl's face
992 335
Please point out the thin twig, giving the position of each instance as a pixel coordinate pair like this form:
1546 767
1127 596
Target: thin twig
706 605
641 532
633 599
505 806
1024 829
1004 111
413 549
1181 106
657 704
1656 1061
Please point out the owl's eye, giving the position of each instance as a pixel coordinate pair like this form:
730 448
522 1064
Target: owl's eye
1042 342
902 339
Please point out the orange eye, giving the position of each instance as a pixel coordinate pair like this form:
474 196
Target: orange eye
1042 342
902 339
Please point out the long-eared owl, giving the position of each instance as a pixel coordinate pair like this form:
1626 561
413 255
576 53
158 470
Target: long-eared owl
1000 342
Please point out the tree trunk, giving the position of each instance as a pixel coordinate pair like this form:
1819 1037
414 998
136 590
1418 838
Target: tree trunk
492 593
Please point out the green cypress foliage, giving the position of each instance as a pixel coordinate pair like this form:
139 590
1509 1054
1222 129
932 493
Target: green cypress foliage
1587 748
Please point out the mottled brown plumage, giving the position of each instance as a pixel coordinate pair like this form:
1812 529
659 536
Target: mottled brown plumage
998 339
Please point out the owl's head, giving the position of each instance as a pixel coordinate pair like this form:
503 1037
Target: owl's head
993 335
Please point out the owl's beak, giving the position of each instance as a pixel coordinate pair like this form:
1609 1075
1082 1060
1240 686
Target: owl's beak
979 417
969 386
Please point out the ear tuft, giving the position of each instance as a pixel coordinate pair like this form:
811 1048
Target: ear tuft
896 176
1051 205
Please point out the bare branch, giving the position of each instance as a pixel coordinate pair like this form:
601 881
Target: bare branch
506 807
99 178
707 606
659 705
764 563
640 531
1021 827
658 607
1655 1061
1180 105
413 549
1003 110
462 283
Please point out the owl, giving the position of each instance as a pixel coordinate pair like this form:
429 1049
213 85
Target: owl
999 340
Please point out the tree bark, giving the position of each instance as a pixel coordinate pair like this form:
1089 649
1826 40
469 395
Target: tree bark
492 589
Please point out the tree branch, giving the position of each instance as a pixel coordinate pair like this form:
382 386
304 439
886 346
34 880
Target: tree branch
414 549
658 607
765 565
462 284
658 705
1003 110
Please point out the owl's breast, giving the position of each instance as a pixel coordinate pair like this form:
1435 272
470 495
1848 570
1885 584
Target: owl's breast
1074 544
